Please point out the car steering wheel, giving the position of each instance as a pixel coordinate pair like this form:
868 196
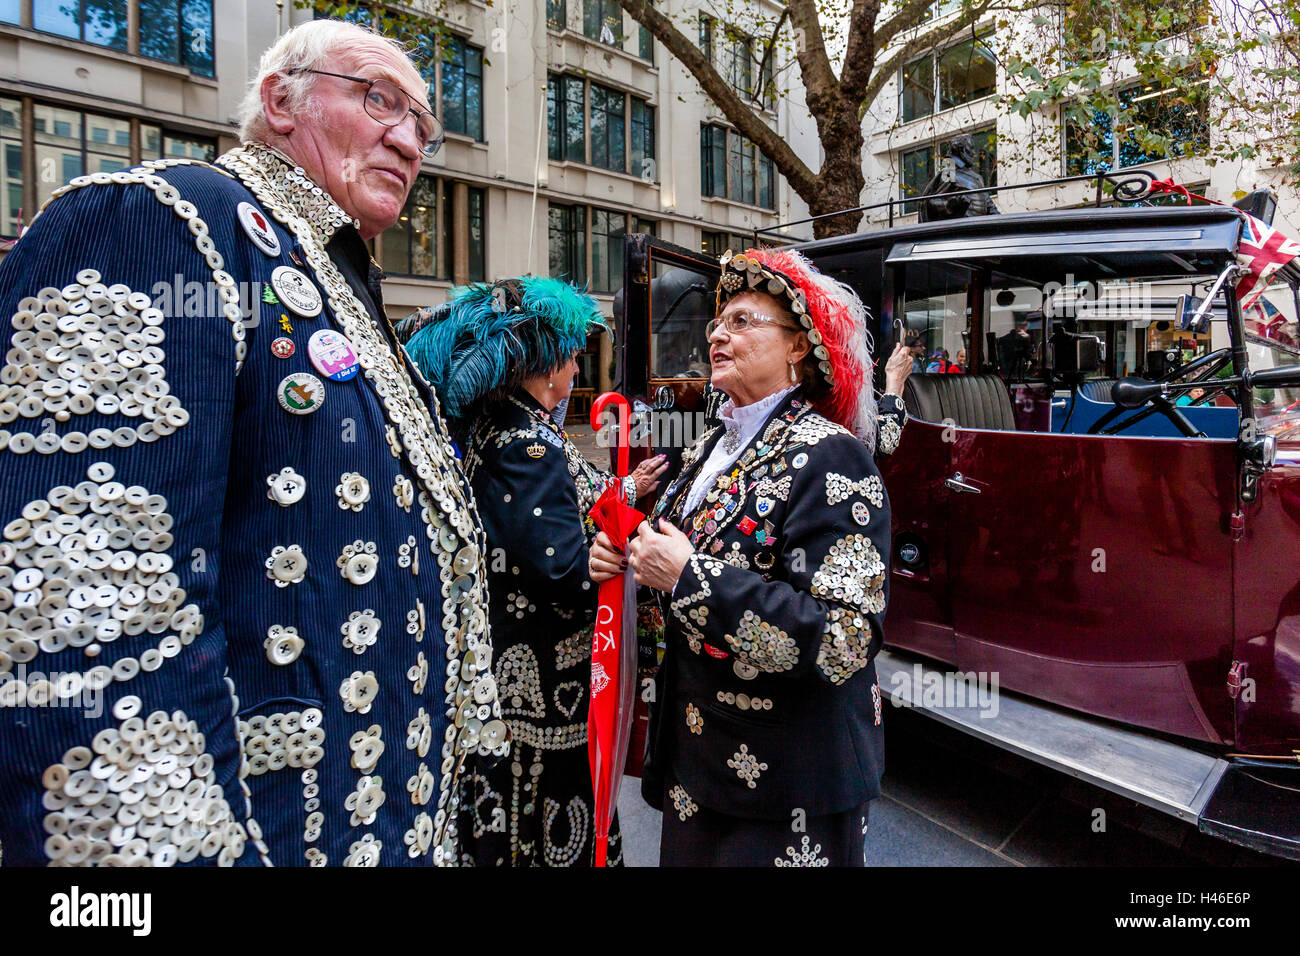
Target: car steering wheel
1198 370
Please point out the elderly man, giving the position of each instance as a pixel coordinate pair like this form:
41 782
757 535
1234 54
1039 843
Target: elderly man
242 610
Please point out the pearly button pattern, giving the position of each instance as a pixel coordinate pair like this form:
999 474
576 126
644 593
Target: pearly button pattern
286 565
86 348
352 491
143 793
89 567
361 630
274 741
286 487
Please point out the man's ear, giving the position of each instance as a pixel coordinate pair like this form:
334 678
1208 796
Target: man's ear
275 105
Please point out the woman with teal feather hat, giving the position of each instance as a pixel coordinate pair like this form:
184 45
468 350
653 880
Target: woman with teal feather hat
501 357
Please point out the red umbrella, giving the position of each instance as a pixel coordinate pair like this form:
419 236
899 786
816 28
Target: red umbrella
613 655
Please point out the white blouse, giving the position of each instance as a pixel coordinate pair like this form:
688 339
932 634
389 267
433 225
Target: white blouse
741 425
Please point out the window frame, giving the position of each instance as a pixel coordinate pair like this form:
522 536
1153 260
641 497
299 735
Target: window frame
610 11
744 167
575 238
459 44
934 57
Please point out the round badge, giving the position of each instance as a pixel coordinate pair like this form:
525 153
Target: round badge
258 228
332 355
860 513
800 460
296 291
300 393
282 347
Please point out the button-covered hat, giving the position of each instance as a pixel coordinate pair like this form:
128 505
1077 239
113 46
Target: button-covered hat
831 314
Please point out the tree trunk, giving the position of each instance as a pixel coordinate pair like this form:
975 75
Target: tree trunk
840 182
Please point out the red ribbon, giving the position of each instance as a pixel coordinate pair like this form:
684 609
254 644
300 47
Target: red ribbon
1173 188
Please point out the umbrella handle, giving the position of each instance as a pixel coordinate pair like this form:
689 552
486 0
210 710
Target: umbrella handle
624 414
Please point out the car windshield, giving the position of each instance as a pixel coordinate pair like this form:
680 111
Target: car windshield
1272 340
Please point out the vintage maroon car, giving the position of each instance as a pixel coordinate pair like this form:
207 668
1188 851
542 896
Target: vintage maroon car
1065 523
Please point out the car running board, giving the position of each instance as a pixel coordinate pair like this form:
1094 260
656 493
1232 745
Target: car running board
1157 773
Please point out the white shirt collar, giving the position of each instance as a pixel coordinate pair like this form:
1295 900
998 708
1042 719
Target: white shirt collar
741 425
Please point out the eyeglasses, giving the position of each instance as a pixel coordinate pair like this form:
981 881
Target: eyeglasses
388 103
743 321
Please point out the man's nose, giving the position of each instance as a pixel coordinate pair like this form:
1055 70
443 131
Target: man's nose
404 138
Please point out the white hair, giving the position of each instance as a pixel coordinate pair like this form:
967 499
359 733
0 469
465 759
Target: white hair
312 45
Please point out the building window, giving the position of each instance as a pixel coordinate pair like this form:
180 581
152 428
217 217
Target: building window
607 231
643 140
102 22
607 128
920 165
11 166
611 112
567 240
1170 128
738 61
556 14
918 168
965 72
11 11
157 143
69 143
917 89
645 43
565 115
713 161
462 89
716 243
767 77
603 20
706 36
733 167
647 226
476 233
177 31
410 246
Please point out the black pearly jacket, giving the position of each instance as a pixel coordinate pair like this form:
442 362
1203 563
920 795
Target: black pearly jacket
767 701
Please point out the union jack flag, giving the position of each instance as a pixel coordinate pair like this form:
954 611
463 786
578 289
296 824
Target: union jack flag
1262 250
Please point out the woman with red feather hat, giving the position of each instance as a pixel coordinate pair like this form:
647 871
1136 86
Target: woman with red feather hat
769 556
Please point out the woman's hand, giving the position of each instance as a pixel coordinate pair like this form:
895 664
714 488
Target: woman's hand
646 475
897 369
657 557
605 562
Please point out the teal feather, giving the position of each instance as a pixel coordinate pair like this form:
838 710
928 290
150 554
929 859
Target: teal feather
469 350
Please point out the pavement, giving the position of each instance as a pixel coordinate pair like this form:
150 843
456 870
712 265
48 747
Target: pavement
949 800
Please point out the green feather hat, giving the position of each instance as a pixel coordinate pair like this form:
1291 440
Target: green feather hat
489 338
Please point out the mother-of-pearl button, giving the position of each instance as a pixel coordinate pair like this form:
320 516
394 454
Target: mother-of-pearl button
286 565
361 568
286 488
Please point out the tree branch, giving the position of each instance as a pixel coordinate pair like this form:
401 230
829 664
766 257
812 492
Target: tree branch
860 53
801 179
906 18
819 83
767 55
928 40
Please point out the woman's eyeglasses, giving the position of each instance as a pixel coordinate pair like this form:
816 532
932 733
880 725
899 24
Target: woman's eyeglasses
388 103
743 321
